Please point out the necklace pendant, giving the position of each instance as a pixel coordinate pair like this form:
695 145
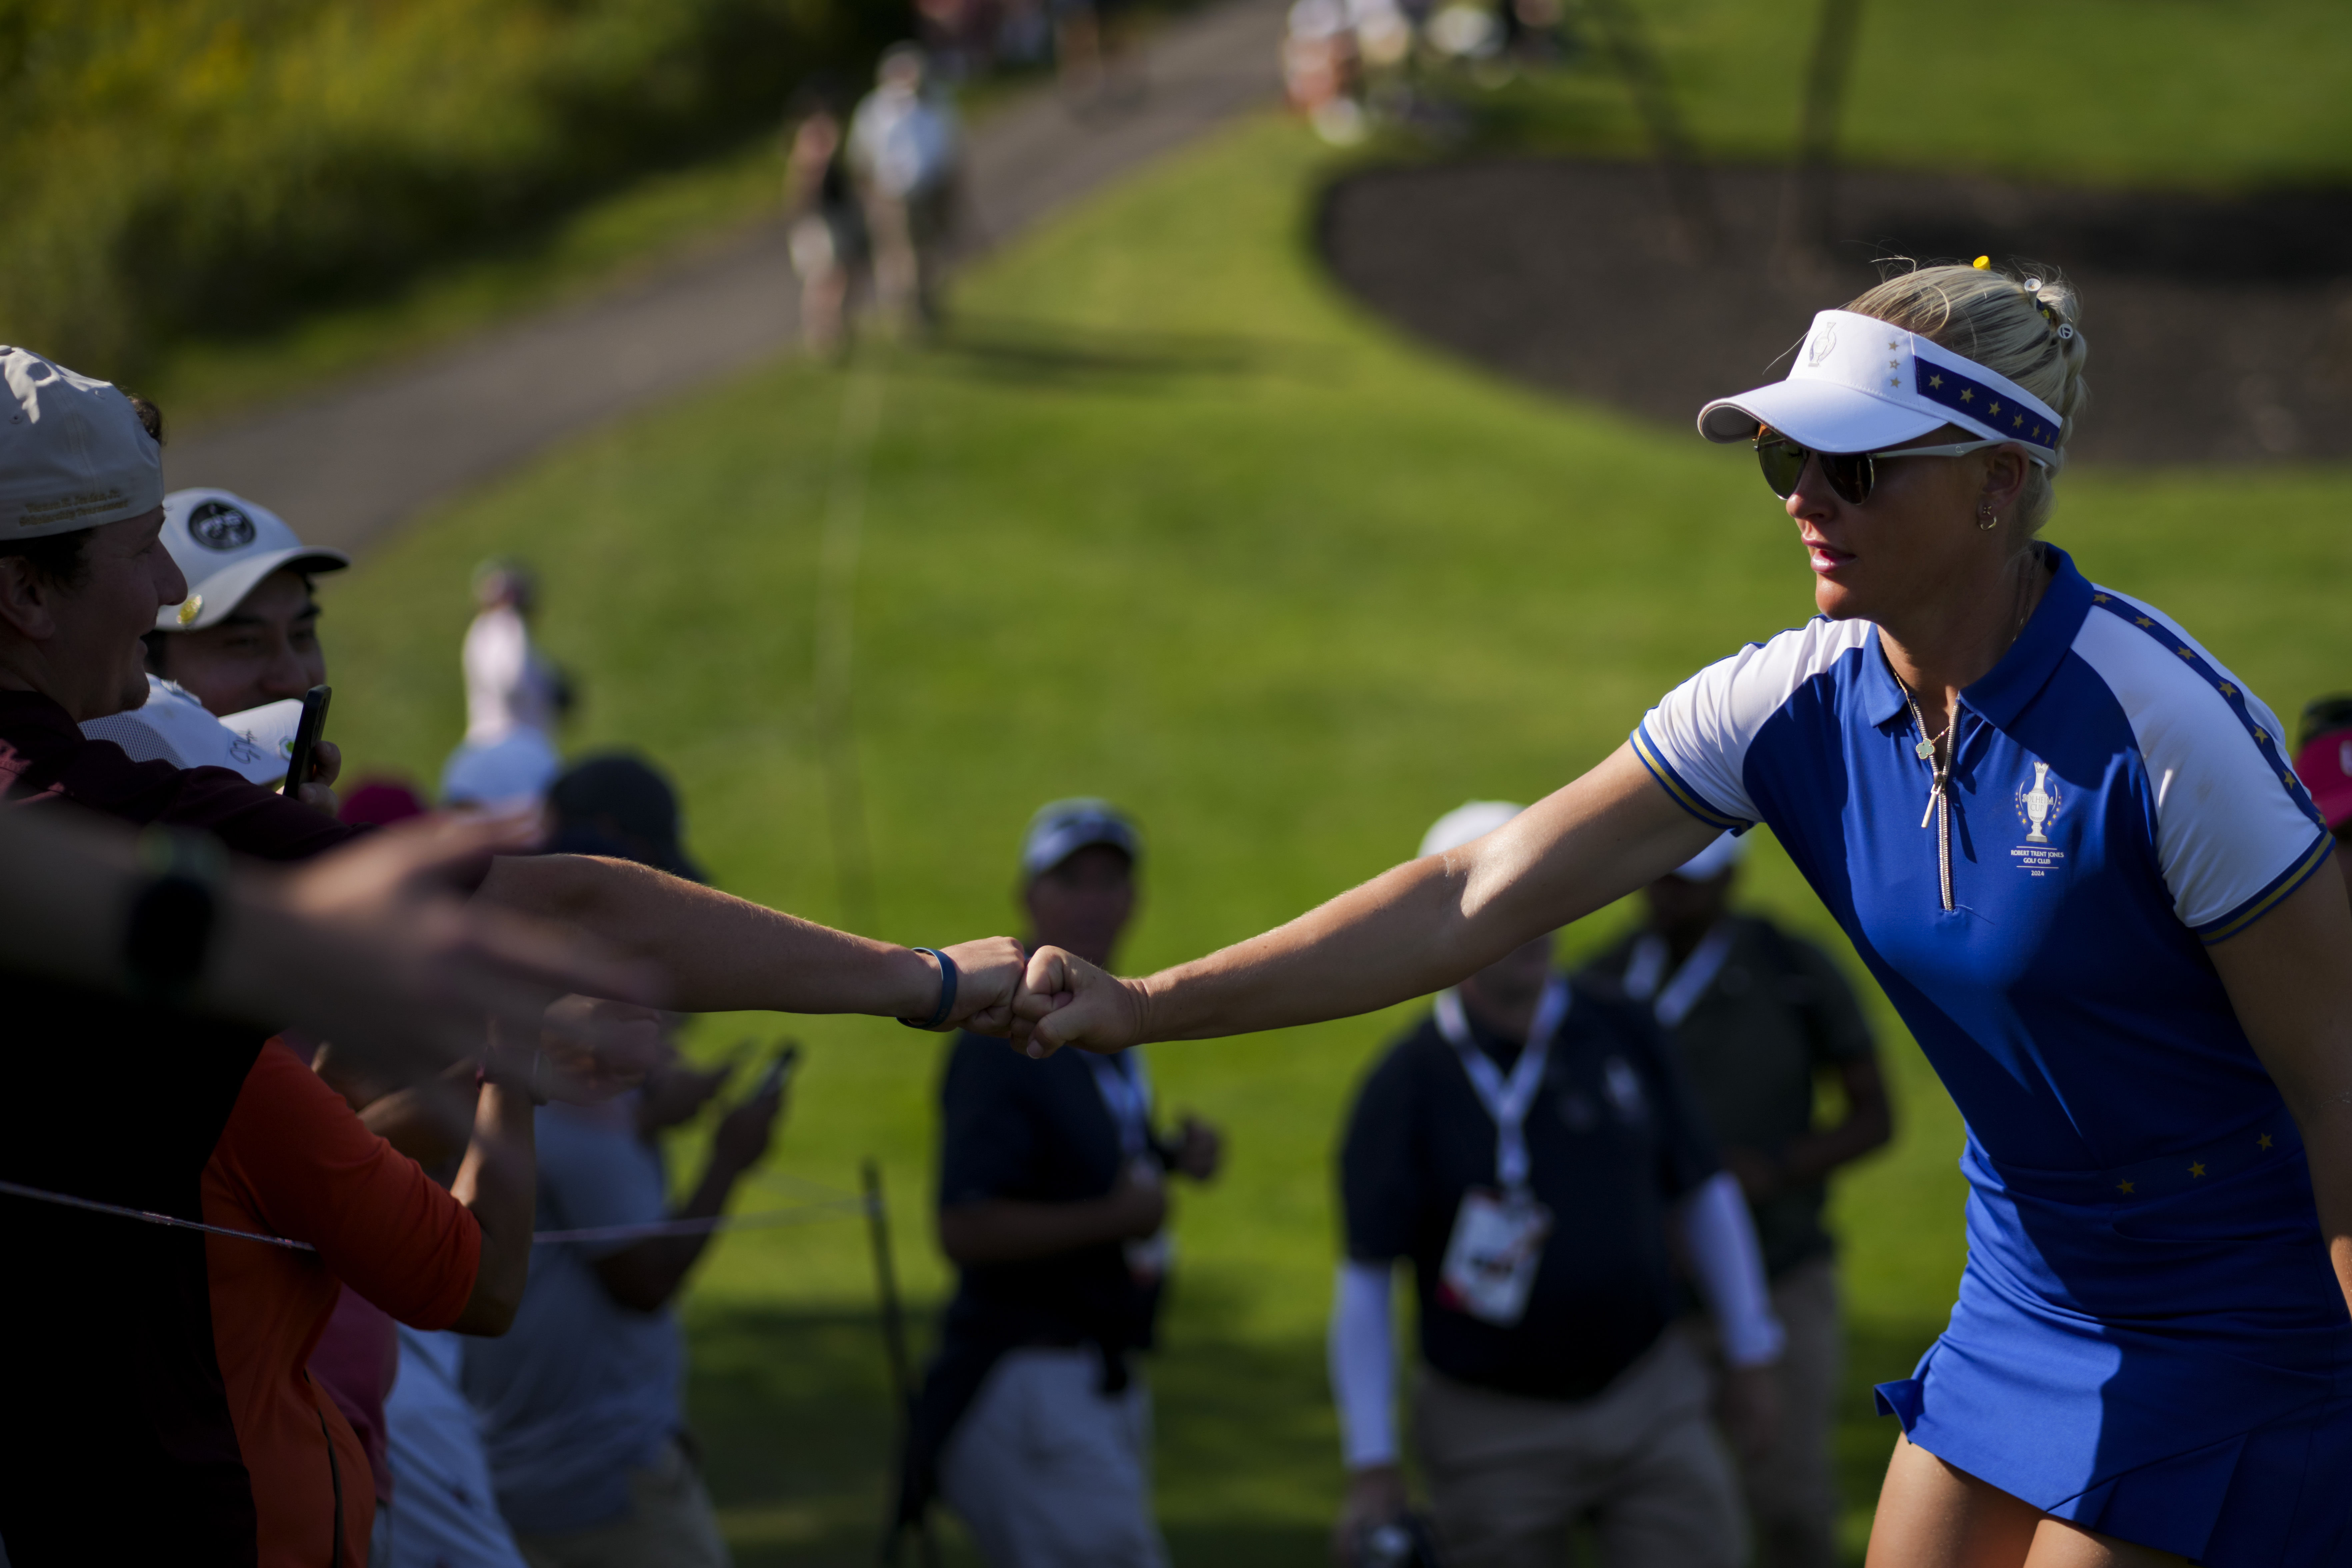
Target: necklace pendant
1924 750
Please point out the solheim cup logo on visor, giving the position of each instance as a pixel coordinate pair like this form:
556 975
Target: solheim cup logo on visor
216 525
1824 343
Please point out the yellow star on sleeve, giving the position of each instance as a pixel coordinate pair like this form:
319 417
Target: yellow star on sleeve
2124 1187
1968 394
2197 1168
2227 690
2018 423
2263 1142
1994 409
1935 381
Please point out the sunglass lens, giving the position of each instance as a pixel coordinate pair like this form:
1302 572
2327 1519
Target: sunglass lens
1850 474
1784 463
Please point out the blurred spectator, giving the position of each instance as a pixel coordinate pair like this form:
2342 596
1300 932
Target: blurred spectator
1530 1150
1033 1424
248 633
579 1404
905 152
2322 759
380 802
1094 46
826 230
514 697
245 645
618 804
1756 1019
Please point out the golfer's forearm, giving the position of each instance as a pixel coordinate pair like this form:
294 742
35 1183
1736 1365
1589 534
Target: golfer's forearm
1401 935
719 954
1429 922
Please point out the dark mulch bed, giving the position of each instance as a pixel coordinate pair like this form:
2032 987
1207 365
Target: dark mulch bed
2220 329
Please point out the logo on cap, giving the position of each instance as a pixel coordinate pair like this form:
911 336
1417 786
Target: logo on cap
1824 341
216 525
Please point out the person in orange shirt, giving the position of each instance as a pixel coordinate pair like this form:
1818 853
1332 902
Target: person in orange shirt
296 1162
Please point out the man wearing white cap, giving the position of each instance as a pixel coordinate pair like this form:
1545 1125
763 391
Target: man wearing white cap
227 666
1756 1019
1529 1150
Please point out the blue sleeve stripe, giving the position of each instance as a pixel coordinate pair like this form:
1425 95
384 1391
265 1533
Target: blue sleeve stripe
1681 794
2269 898
2264 741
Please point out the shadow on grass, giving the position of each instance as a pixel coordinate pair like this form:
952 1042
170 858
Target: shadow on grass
790 1411
1105 359
790 1407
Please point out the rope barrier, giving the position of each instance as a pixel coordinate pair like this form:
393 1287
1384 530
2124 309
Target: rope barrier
762 1219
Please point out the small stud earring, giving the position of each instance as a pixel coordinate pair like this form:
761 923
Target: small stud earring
1989 521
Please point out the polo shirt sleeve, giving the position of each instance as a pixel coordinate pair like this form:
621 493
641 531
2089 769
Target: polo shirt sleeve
1381 1188
594 1170
989 1137
1696 741
317 1174
2235 830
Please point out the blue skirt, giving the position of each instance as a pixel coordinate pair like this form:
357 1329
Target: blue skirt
2172 1368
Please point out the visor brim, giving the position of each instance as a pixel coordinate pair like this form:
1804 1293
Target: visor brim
1822 415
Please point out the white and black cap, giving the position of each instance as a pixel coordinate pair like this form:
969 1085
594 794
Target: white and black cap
225 546
1063 828
72 452
1861 385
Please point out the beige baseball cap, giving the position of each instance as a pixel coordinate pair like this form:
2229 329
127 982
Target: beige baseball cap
72 454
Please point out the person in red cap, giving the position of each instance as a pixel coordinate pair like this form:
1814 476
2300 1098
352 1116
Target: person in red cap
2323 761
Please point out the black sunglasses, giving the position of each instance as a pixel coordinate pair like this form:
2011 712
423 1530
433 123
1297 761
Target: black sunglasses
1850 474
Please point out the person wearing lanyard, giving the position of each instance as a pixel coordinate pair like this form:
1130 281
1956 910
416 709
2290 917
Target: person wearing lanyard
1033 1422
1528 1148
1757 1018
2063 836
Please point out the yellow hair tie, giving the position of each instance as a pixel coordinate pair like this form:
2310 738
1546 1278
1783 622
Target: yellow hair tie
1982 263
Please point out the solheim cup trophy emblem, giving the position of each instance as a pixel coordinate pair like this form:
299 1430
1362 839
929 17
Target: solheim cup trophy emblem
2039 804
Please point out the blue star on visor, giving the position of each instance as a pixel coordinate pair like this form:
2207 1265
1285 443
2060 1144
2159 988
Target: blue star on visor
1963 395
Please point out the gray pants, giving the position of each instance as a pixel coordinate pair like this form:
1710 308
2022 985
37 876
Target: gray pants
1509 1477
670 1524
1792 1496
1049 1473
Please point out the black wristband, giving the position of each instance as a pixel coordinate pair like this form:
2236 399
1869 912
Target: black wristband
170 929
947 991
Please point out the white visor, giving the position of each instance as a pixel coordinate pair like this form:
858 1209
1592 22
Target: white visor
1861 385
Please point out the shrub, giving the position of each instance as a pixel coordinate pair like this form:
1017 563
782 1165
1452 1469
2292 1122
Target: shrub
212 166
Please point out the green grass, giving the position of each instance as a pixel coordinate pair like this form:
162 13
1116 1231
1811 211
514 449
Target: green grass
2166 93
1174 521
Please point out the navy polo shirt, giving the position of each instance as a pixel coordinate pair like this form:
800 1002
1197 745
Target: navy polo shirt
1613 1144
1037 1132
2066 999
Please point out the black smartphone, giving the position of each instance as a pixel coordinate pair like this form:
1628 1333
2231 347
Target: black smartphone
306 737
780 1071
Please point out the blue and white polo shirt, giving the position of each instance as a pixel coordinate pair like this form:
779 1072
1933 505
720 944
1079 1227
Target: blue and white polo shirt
2119 800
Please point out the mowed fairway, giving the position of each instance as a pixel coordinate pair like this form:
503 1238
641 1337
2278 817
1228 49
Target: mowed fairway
1172 522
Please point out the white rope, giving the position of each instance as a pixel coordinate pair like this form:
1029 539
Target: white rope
764 1218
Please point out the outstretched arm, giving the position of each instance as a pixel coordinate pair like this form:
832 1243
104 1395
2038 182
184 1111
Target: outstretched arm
720 953
1405 933
2289 976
